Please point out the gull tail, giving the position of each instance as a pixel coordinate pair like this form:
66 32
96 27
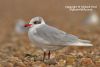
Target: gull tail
81 43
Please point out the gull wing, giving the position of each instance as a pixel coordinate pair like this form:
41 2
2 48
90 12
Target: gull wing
55 36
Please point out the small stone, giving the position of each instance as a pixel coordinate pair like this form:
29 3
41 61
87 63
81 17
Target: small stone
87 61
50 62
69 66
97 63
70 59
9 65
61 63
21 64
38 64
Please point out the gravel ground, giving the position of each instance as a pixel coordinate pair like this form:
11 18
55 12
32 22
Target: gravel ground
17 51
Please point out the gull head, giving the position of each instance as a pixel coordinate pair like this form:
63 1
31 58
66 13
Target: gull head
36 21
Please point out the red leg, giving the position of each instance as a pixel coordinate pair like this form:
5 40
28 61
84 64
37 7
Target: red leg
49 55
44 55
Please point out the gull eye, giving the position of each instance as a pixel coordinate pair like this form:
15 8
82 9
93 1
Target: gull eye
37 22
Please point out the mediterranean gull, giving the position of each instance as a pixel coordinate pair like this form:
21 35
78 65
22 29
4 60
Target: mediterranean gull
49 38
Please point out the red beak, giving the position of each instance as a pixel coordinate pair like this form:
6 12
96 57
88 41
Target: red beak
27 25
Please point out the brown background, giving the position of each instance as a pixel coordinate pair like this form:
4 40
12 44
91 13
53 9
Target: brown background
53 12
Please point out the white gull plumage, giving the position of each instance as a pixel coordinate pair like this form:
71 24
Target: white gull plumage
49 38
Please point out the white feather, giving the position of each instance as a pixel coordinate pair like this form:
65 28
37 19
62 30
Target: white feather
80 44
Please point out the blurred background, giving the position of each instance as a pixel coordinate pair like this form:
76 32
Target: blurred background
14 46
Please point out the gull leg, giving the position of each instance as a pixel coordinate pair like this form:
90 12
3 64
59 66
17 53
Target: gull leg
44 55
49 54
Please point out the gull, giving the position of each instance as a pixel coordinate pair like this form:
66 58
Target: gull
49 38
19 27
92 19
